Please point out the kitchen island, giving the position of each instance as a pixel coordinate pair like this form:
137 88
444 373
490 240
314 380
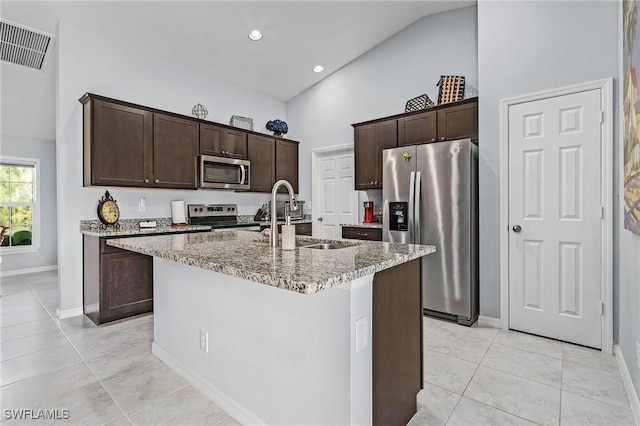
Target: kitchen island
290 337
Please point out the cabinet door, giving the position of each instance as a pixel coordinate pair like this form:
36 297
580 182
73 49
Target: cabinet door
219 141
417 129
458 122
127 285
119 140
175 148
396 343
365 156
287 163
261 152
386 136
303 229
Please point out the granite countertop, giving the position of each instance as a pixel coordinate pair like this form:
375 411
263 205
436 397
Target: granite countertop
132 227
363 225
247 255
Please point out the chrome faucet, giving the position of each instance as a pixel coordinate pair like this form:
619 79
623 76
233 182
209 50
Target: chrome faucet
274 241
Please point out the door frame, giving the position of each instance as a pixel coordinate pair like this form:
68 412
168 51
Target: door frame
606 229
316 155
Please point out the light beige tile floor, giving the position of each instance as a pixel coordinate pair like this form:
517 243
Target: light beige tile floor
107 375
515 379
102 375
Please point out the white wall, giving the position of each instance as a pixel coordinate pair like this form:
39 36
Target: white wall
380 82
524 47
90 63
45 151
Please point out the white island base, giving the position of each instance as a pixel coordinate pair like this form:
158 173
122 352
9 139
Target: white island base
273 356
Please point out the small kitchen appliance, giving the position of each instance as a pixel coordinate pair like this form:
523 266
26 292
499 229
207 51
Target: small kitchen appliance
283 210
368 212
177 213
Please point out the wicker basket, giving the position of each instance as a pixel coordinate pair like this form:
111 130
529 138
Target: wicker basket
451 89
418 103
241 122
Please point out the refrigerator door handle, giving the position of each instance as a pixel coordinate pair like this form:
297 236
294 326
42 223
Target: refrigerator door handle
417 239
411 209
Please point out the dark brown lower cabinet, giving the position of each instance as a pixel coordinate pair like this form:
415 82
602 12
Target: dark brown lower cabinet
397 343
117 283
356 233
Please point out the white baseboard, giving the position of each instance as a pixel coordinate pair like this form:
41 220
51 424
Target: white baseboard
68 313
28 271
628 384
489 322
232 407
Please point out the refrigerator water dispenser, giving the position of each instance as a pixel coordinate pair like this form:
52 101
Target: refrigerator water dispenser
398 216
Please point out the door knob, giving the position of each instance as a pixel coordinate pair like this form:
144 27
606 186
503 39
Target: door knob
319 219
517 228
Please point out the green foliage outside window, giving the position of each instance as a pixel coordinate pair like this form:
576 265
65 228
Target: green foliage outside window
16 204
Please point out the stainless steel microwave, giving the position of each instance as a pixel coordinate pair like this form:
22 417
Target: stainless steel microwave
223 173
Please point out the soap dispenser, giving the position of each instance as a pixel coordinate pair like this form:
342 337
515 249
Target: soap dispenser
288 235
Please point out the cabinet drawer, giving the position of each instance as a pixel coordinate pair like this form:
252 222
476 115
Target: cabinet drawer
372 234
303 229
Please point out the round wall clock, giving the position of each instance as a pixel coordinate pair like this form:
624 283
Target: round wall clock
108 211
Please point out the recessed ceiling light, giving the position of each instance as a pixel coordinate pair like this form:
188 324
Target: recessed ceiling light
255 35
318 68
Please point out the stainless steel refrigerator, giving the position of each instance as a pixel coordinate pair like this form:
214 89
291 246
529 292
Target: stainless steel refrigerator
430 196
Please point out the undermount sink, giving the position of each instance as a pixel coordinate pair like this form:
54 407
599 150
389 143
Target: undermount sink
328 246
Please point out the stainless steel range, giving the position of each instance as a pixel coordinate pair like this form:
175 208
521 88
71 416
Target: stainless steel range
218 216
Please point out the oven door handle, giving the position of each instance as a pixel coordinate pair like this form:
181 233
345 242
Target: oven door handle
242 174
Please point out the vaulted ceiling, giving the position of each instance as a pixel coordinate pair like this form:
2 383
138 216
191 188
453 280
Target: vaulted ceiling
211 37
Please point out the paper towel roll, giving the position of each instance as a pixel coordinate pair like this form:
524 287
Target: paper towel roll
178 213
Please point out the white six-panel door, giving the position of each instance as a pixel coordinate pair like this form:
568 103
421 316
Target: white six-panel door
336 201
554 198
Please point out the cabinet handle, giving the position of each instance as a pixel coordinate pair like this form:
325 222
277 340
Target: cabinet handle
433 139
442 138
157 181
370 183
146 181
362 235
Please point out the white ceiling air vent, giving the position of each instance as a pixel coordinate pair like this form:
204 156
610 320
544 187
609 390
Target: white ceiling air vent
25 46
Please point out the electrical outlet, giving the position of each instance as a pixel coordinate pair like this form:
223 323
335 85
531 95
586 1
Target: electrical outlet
361 334
142 204
204 341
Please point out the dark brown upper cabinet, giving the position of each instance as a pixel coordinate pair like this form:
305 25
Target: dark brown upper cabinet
220 141
458 121
271 160
446 122
132 145
369 141
261 152
175 148
287 163
118 143
417 129
128 145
